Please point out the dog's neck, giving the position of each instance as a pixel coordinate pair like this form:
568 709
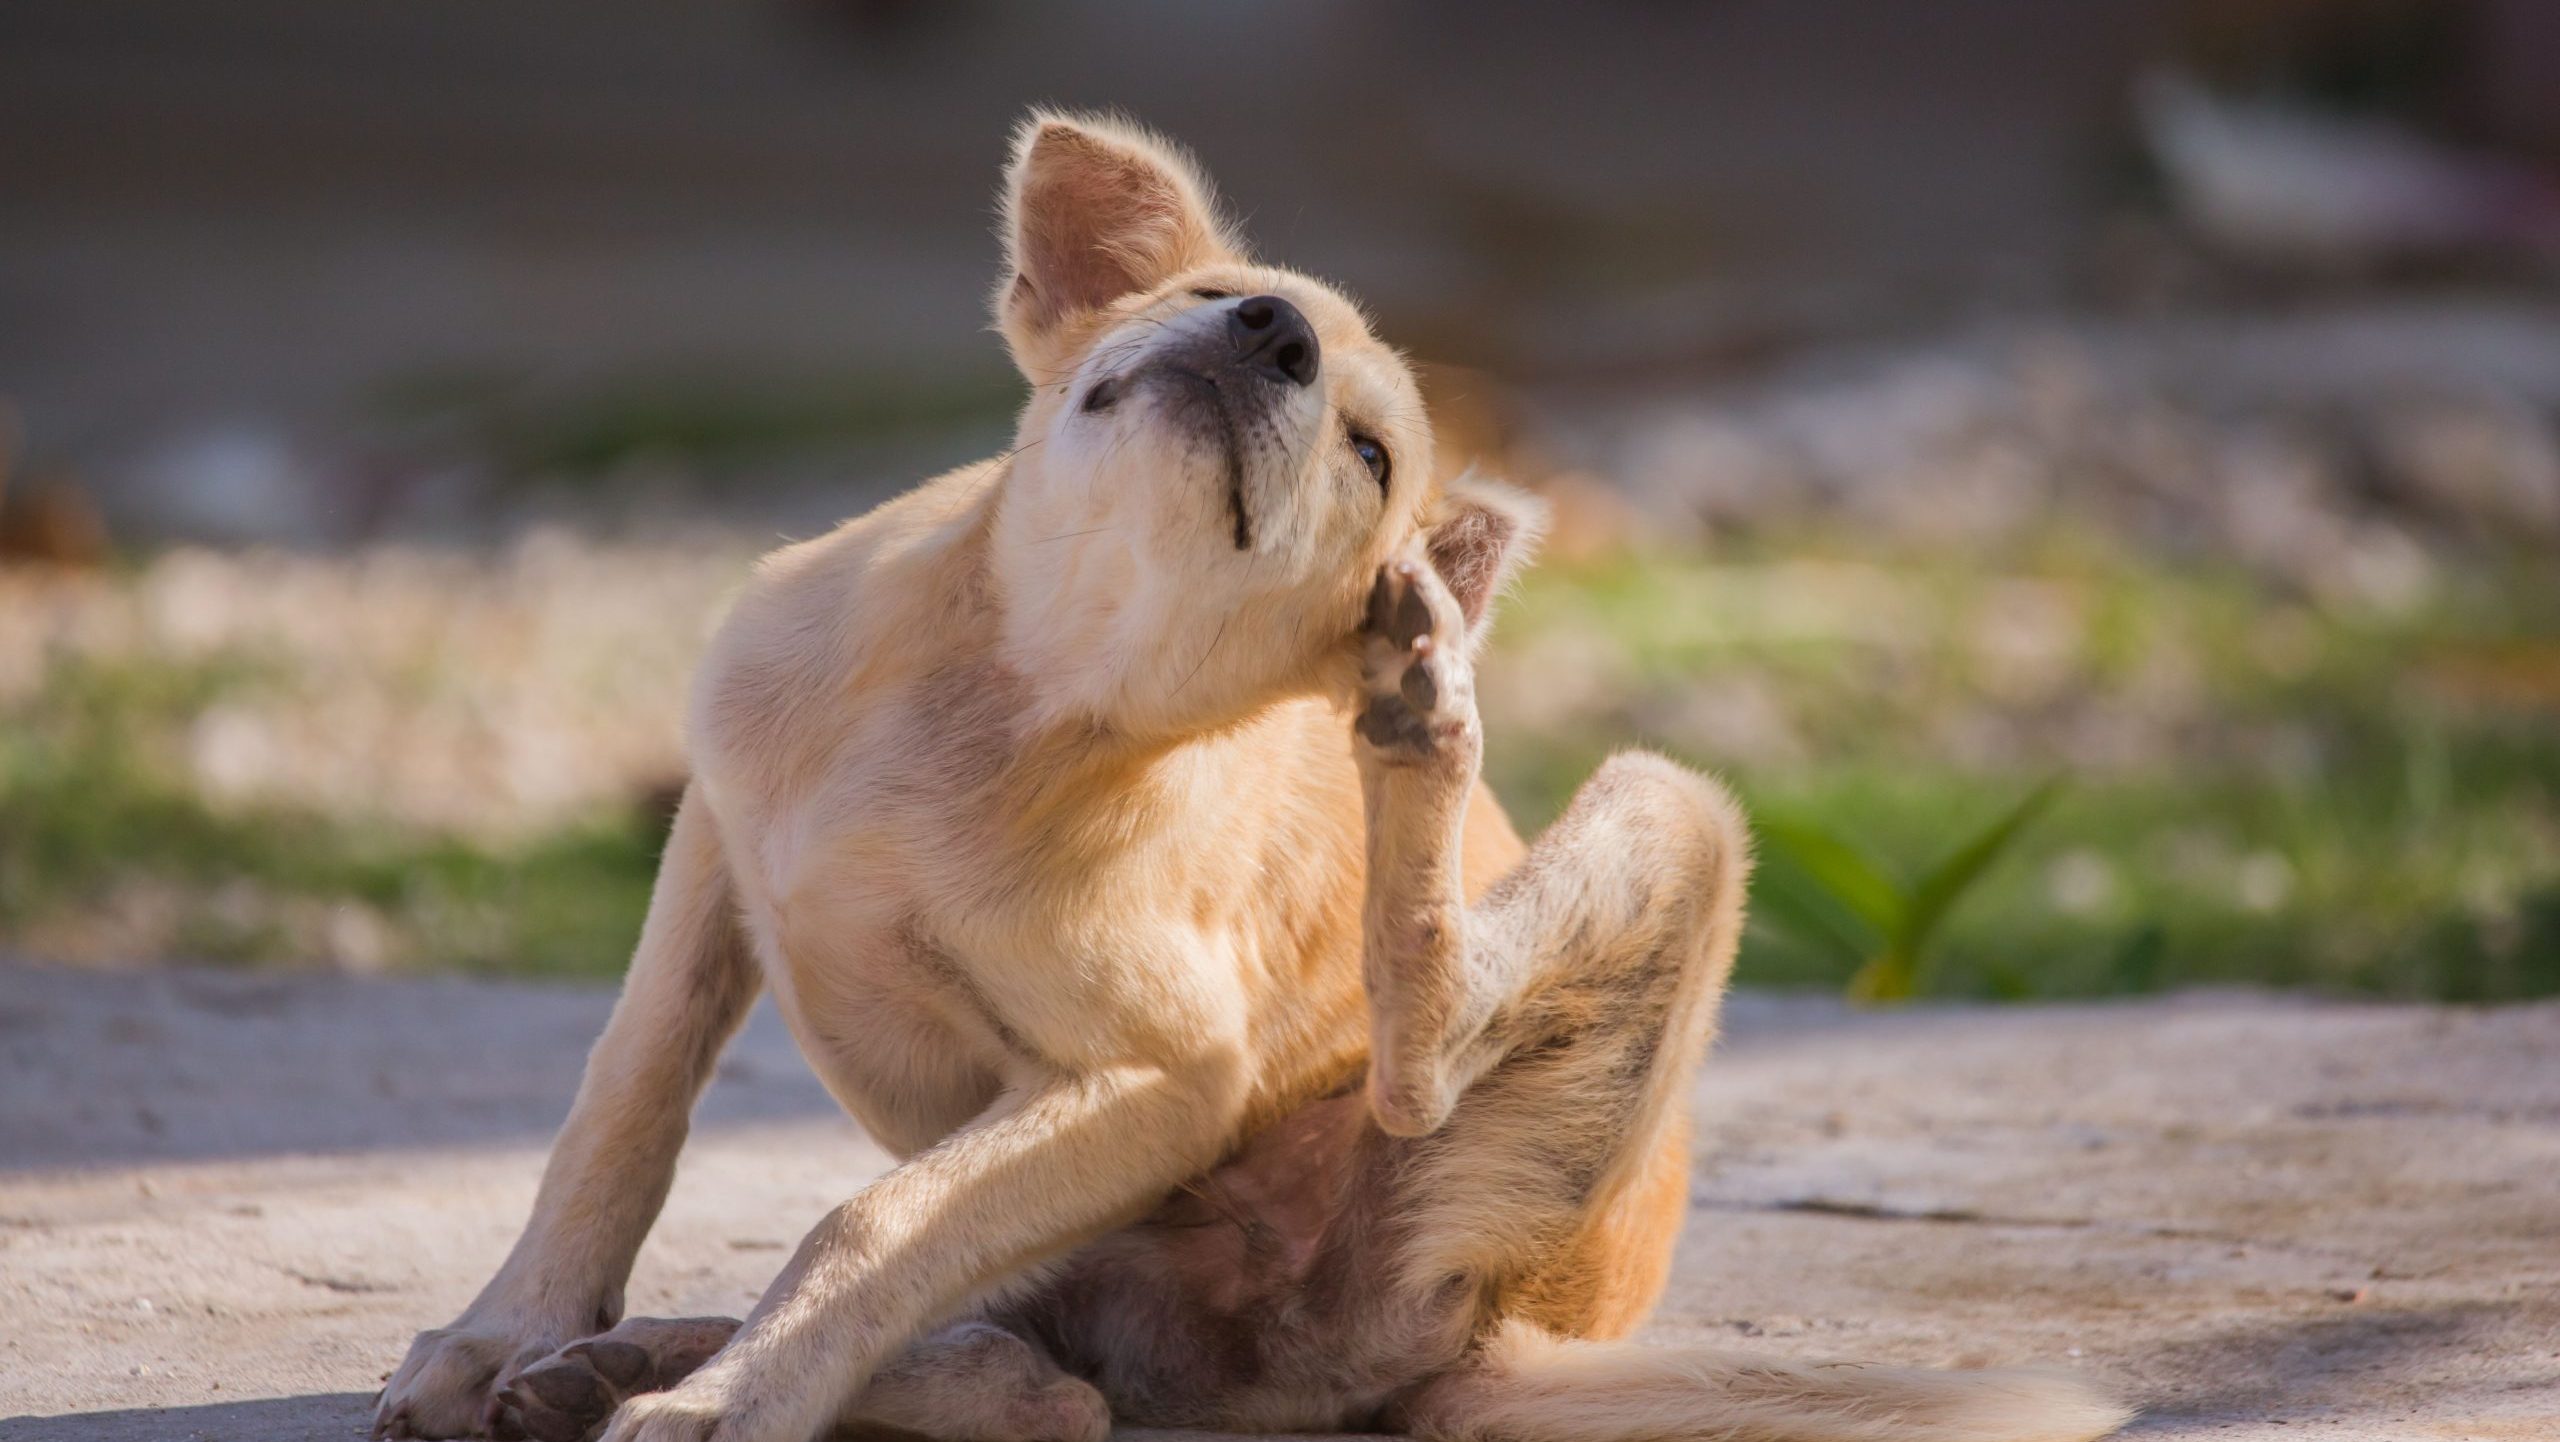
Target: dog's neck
1108 636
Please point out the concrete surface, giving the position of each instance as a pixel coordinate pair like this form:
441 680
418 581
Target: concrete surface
226 1201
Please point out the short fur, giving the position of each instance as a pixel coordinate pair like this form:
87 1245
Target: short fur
1105 820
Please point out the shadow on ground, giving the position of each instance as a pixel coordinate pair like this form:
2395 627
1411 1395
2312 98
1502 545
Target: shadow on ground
269 1419
189 1066
171 1066
2320 1368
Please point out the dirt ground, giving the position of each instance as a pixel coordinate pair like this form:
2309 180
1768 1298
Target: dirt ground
227 1200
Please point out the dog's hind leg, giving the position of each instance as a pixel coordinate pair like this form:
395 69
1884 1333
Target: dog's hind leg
1537 1047
968 1382
1556 1185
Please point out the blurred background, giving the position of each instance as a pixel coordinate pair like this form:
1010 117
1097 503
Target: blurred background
2089 474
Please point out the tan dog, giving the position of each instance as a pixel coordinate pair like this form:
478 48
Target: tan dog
1100 816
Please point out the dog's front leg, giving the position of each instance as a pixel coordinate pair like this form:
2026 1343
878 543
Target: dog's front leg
1050 1165
688 989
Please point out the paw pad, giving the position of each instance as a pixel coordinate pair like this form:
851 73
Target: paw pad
569 1395
1414 672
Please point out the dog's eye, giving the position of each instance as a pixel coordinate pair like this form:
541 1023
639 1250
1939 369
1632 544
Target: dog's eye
1099 398
1214 294
1374 456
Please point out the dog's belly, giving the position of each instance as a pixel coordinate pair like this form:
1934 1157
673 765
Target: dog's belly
1261 1296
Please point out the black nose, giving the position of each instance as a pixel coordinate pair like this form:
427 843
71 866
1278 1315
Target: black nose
1273 337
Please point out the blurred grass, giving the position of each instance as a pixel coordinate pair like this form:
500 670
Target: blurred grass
100 830
2261 791
1817 885
2259 787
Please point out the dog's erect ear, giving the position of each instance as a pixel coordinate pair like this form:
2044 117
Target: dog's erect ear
1095 209
1479 533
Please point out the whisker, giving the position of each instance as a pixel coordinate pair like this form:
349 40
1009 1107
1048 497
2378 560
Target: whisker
1205 655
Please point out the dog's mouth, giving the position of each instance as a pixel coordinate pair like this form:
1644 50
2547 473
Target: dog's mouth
1201 402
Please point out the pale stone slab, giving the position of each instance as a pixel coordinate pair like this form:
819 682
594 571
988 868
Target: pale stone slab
227 1200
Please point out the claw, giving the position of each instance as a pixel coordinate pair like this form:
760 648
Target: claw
1421 689
1413 613
1414 676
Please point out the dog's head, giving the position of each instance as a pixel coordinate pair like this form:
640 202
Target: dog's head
1217 454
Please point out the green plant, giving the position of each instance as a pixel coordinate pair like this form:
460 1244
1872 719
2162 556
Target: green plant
1831 892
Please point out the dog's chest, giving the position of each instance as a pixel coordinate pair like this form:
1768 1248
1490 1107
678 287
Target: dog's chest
944 910
926 957
916 1024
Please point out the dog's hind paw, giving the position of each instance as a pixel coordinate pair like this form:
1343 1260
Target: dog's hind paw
567 1396
1417 684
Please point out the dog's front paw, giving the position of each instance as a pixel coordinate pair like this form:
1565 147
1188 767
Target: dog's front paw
443 1386
1417 685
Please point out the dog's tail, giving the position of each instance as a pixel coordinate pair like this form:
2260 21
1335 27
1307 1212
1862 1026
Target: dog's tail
1530 1386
